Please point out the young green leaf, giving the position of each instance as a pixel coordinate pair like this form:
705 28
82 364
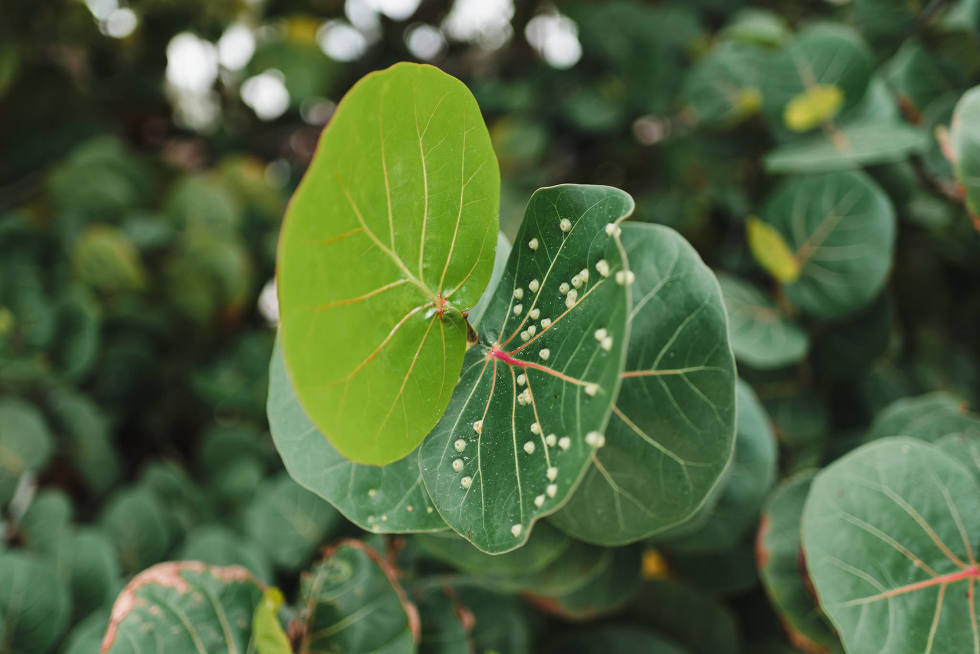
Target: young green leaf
352 602
824 56
782 567
267 632
535 394
388 239
674 420
184 606
763 337
841 230
889 533
386 499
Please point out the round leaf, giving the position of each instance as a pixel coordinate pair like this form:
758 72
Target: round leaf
535 394
184 606
928 417
779 555
34 605
762 336
25 444
389 237
858 144
674 420
841 229
889 532
352 603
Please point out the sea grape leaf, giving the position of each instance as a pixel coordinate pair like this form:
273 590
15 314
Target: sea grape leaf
782 568
543 546
267 632
965 448
824 55
94 575
389 237
187 505
674 420
46 522
390 498
762 336
462 618
723 88
756 26
915 77
25 444
86 636
964 139
613 639
888 532
34 604
499 266
217 545
184 606
137 523
722 521
928 417
841 229
288 522
352 602
860 143
610 581
535 394
103 258
687 616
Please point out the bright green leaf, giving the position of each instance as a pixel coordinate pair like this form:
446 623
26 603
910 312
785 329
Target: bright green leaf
391 498
389 237
267 633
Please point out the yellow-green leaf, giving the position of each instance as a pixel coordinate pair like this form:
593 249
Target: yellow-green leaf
771 251
814 106
267 633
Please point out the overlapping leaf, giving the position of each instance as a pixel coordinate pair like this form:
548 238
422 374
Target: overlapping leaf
674 421
388 239
762 335
390 498
964 136
890 532
782 567
535 394
860 143
351 602
34 605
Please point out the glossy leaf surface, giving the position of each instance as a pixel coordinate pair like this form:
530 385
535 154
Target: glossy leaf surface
673 427
389 237
535 394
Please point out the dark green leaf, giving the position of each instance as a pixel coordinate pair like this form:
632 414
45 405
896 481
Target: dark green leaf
535 394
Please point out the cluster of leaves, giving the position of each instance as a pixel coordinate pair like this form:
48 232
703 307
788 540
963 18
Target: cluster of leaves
822 161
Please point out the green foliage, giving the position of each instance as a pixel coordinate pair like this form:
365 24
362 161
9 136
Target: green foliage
819 160
387 290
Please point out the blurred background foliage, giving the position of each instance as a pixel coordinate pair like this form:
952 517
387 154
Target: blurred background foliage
148 148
